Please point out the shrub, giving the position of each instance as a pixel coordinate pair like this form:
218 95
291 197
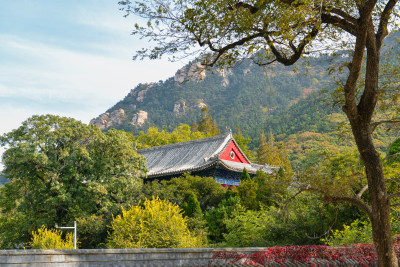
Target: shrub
356 232
51 239
159 224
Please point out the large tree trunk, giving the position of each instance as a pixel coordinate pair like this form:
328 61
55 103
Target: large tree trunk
380 201
360 121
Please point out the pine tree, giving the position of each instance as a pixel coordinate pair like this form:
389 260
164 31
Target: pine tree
242 143
194 127
192 208
262 153
205 123
283 155
245 175
215 130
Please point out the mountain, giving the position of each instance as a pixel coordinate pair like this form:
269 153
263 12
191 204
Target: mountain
290 102
245 95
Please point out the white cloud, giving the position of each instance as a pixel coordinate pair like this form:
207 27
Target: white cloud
56 72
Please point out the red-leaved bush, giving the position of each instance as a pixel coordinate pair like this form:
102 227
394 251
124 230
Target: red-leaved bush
355 255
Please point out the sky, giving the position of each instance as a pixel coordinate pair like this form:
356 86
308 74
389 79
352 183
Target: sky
69 58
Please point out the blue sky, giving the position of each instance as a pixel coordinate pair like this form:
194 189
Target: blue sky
69 58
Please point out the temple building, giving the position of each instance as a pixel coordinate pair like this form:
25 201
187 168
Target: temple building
218 156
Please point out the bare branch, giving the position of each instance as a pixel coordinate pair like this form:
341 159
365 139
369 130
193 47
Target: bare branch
376 124
362 191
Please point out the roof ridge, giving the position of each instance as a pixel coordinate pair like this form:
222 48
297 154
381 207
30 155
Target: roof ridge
222 136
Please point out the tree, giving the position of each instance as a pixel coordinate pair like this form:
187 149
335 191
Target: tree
159 224
247 191
192 207
243 143
282 31
245 175
61 169
216 218
262 153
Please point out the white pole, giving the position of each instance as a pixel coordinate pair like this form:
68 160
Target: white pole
75 234
75 231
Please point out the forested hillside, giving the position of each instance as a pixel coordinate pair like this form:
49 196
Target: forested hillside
246 95
292 103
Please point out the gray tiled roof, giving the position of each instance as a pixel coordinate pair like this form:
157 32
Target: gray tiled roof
251 168
191 156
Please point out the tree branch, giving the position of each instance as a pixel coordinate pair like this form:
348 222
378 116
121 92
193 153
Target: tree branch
354 201
297 51
376 124
339 22
221 51
350 107
251 8
383 22
362 191
369 97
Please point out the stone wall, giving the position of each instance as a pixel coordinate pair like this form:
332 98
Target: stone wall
117 257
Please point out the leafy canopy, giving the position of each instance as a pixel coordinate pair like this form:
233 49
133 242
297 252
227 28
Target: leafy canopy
61 169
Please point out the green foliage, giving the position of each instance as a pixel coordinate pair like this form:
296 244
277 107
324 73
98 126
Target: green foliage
61 169
245 175
51 239
247 192
178 190
336 174
154 137
248 228
206 123
356 232
262 153
395 150
158 224
93 231
192 207
243 143
271 189
302 221
216 218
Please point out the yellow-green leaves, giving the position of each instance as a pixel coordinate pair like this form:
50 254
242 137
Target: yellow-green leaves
158 224
45 238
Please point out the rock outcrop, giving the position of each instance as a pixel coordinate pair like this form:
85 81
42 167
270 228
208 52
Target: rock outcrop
107 120
140 92
225 73
196 72
140 118
181 107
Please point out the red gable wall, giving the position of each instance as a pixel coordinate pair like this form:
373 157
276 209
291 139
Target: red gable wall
238 157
